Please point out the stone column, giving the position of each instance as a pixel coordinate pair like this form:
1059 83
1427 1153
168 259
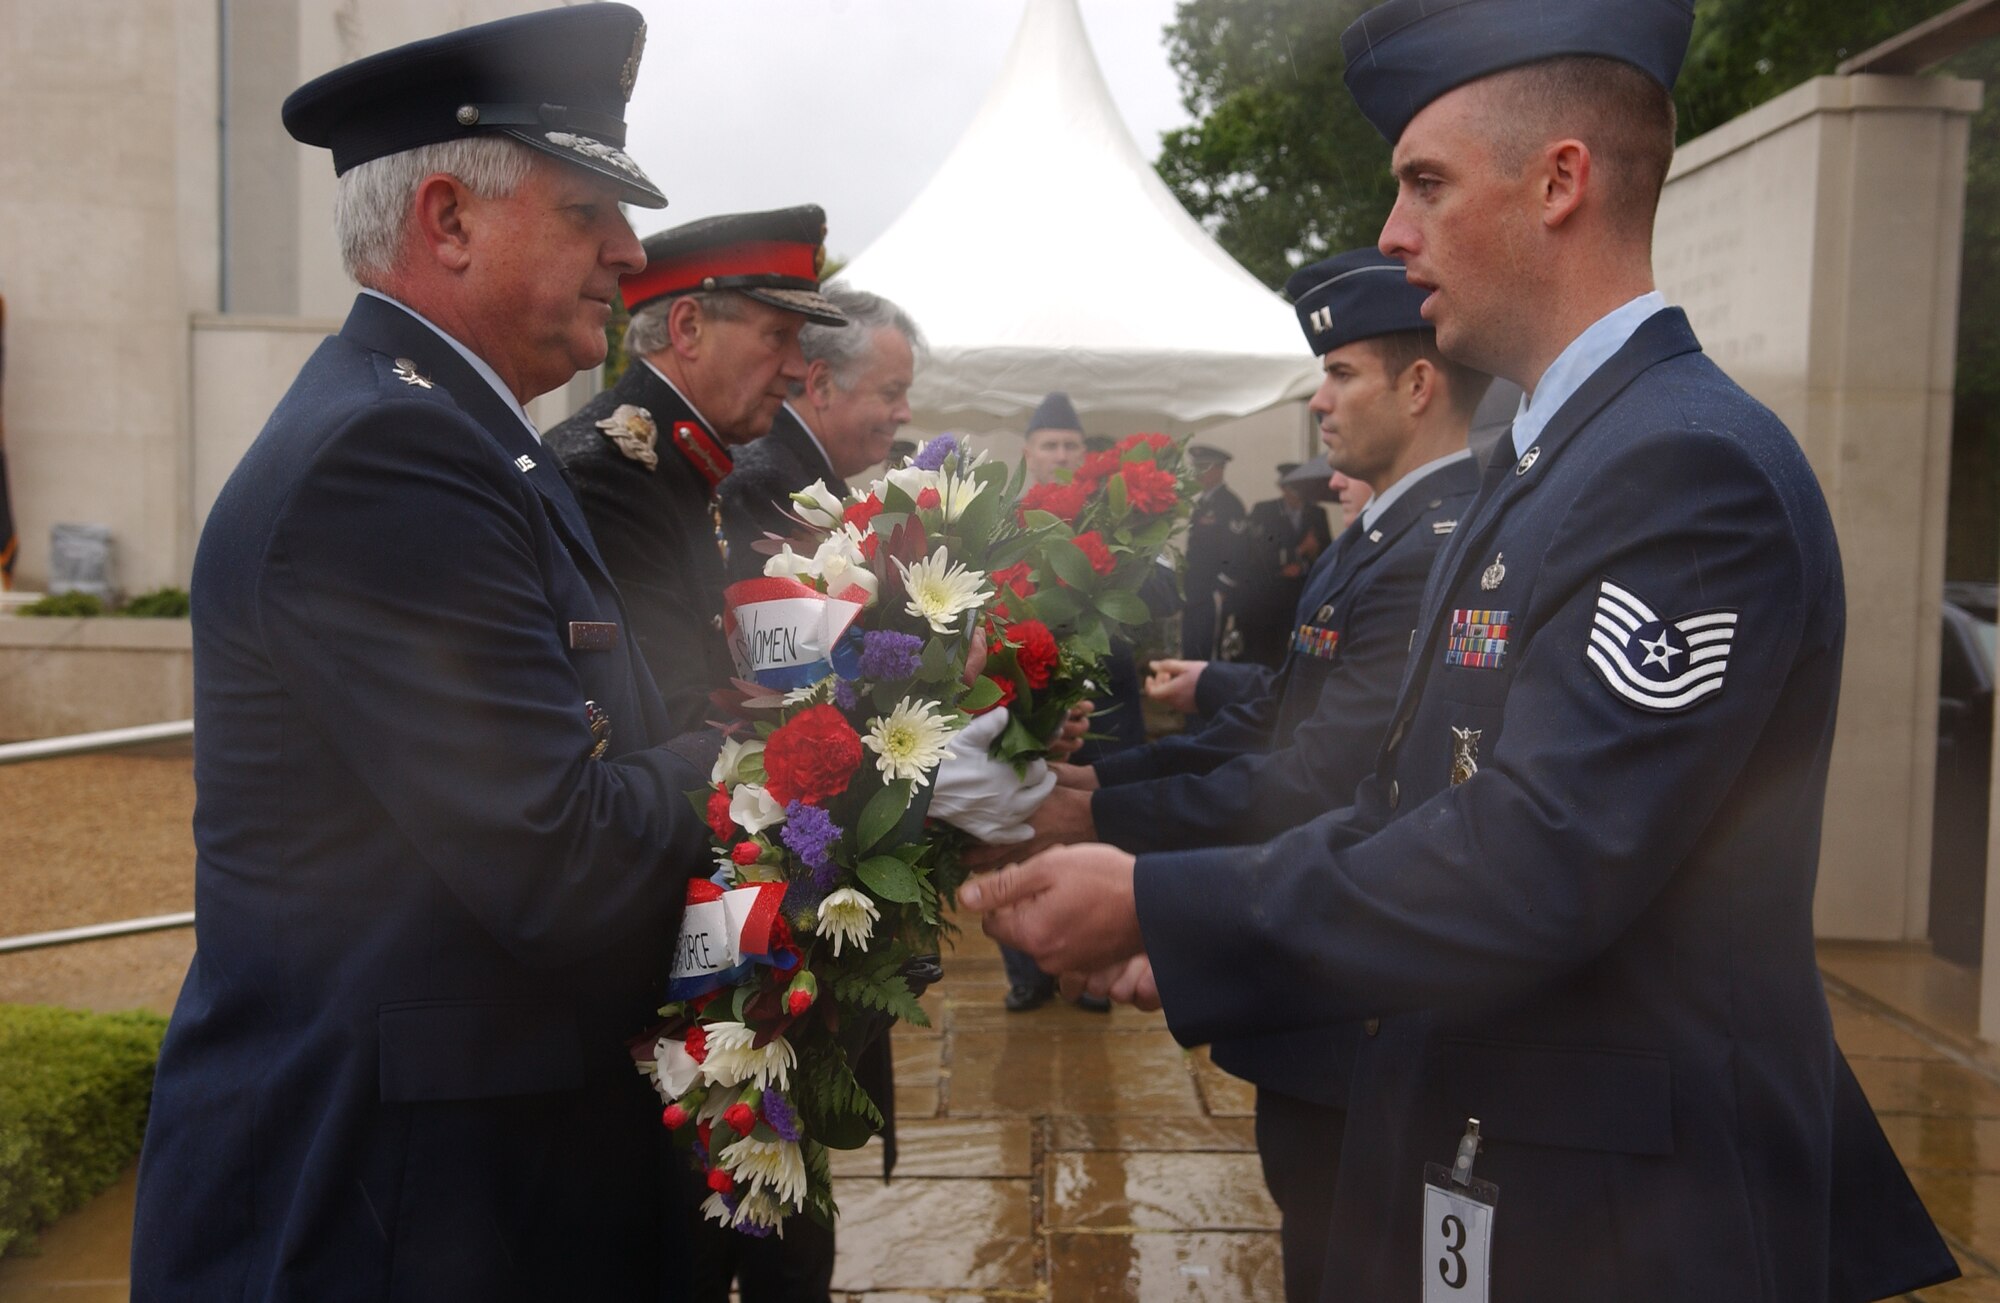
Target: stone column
1815 244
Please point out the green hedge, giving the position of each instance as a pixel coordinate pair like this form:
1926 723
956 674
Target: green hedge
73 1093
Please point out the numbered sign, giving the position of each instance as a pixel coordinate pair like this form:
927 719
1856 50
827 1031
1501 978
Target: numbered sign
1458 1239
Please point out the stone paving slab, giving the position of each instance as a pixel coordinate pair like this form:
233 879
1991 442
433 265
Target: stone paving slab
930 1234
1118 1191
1154 1267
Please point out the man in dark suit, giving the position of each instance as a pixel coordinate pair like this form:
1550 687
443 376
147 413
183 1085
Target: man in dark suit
714 352
855 396
440 849
1214 556
1286 534
1574 899
1394 414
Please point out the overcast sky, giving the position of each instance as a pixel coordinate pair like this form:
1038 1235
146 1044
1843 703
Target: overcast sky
849 104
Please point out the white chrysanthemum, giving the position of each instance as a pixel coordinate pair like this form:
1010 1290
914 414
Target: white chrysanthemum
816 505
774 1165
755 808
734 1058
734 752
847 917
817 691
955 494
788 564
758 1208
840 565
941 590
910 740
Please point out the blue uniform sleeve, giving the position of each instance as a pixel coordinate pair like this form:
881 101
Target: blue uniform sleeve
405 603
1581 813
1233 683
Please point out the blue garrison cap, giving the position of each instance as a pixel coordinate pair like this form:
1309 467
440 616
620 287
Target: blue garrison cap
1406 53
1354 295
556 81
1056 412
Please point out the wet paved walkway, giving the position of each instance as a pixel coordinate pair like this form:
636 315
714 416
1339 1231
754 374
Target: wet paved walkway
1065 1156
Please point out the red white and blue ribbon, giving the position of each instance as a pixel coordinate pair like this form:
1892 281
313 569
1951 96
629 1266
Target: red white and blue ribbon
786 634
722 937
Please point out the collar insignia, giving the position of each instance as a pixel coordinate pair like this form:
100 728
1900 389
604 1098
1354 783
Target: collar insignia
1528 460
525 462
406 371
702 451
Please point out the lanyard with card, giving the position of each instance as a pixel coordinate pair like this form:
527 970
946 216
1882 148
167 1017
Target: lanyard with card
1458 1226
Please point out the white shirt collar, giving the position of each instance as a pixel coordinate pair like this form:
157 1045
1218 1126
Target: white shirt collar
1577 363
472 359
1382 501
683 397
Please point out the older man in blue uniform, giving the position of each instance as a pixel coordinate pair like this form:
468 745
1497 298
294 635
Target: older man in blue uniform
1394 414
1575 896
440 847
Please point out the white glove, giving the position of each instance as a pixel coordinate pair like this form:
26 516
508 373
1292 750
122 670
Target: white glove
982 796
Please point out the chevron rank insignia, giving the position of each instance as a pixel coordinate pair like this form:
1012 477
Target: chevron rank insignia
1656 664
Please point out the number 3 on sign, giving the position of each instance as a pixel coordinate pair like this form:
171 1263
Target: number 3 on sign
1458 1244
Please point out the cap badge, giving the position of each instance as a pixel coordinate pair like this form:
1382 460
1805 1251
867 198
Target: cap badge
1496 572
631 428
1528 460
628 76
1322 319
406 371
1464 753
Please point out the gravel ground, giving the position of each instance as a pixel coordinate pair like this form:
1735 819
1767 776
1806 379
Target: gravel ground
92 839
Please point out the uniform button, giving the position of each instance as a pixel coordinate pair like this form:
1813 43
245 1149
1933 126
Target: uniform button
1395 794
1373 1027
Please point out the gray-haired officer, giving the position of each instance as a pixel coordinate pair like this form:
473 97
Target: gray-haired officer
1574 900
438 844
713 350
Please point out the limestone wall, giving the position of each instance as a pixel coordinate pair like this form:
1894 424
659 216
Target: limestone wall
1815 245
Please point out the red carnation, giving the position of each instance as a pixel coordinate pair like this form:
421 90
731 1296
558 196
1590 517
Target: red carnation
811 756
720 1181
797 1002
719 821
1157 442
928 498
1036 652
1150 490
746 852
1018 579
860 513
1063 501
696 1043
674 1116
740 1119
1006 686
1097 468
1092 546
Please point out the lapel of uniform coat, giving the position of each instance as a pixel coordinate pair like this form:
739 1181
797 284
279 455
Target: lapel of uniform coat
790 431
1666 334
387 329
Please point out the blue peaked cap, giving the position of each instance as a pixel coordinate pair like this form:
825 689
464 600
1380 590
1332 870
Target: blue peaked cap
1354 295
1406 53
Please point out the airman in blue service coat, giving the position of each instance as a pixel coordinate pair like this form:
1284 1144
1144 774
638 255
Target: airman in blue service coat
1576 892
438 843
1274 761
712 352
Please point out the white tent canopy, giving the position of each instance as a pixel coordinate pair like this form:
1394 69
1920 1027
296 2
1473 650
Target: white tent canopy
1046 254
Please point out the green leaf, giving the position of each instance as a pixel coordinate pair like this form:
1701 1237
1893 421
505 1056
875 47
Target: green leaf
937 664
1056 607
1072 566
1045 519
985 692
889 878
883 812
1114 494
1123 606
894 502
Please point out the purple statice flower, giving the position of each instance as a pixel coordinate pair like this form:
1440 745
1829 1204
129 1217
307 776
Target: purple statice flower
810 833
931 456
784 1119
887 656
844 695
755 1230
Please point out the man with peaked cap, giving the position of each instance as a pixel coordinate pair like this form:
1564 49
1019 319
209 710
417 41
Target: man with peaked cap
713 350
440 846
1575 894
1286 535
1293 742
1214 555
855 396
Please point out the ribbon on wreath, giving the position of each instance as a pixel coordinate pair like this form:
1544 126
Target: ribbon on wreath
723 933
786 634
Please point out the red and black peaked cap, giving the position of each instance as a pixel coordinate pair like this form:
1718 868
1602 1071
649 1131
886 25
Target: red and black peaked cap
773 257
556 80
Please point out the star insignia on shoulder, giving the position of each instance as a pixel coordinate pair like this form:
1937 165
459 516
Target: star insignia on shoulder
406 371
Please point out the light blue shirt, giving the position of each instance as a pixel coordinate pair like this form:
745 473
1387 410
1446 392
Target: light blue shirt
472 359
1382 501
1577 363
